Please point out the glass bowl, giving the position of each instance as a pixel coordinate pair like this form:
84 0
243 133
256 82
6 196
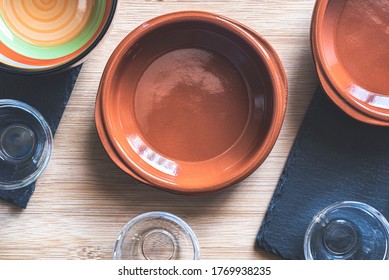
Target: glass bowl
347 230
156 236
26 144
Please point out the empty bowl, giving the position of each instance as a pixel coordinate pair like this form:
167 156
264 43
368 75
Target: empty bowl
191 102
156 236
44 36
349 44
26 144
347 230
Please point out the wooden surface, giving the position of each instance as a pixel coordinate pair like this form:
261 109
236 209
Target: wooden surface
83 200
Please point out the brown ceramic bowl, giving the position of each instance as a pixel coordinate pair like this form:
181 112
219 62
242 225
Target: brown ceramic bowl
350 48
192 102
101 127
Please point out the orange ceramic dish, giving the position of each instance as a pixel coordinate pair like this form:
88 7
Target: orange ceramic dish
192 102
349 44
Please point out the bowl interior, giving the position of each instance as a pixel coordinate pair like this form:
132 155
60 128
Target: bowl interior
188 103
352 45
39 34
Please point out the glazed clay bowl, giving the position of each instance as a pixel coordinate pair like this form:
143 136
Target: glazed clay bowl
101 126
192 102
349 44
45 36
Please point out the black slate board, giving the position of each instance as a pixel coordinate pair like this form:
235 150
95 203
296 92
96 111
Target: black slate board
48 94
334 158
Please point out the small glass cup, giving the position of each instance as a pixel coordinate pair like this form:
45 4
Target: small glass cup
156 236
347 230
26 144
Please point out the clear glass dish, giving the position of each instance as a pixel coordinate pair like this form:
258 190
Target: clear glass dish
156 236
26 144
347 230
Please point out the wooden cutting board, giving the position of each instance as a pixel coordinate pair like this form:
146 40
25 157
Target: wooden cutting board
83 200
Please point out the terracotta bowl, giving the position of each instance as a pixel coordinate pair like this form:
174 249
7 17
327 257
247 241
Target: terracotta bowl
40 37
191 102
349 44
101 126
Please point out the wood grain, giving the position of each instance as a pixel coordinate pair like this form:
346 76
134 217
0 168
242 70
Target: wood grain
83 200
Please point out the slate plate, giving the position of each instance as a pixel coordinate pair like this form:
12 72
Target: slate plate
334 158
49 95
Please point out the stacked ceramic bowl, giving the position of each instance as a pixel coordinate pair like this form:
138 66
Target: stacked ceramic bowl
191 102
38 36
350 48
